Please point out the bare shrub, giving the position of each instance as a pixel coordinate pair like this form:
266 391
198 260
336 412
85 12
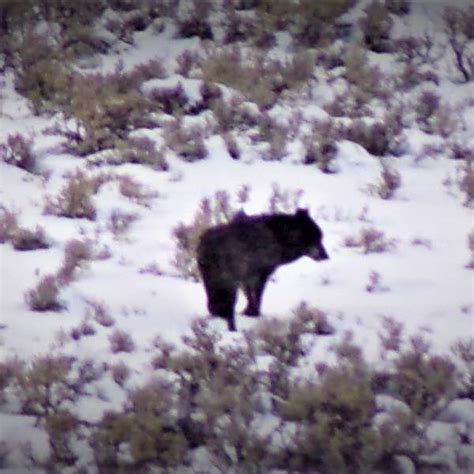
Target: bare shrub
284 200
120 373
426 106
470 244
18 151
371 240
97 311
315 22
390 181
186 62
321 147
312 320
170 100
76 36
139 150
461 151
119 222
143 435
422 380
398 7
230 69
419 50
239 27
233 114
351 102
463 351
422 242
259 77
232 146
76 253
282 341
367 79
413 75
75 199
458 24
25 239
325 440
375 137
45 296
106 108
84 329
193 19
8 224
466 182
275 135
47 389
41 74
135 191
375 284
186 142
376 26
121 341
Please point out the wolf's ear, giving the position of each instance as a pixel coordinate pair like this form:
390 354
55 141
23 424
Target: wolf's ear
302 212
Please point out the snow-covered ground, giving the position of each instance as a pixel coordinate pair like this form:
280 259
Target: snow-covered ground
424 282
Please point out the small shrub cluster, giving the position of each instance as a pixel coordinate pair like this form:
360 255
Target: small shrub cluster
390 181
76 254
375 284
458 25
466 182
47 389
375 138
106 108
376 26
8 224
20 238
285 200
398 7
316 23
42 73
119 222
382 137
45 296
186 141
192 19
368 80
97 311
75 199
274 135
18 151
170 100
433 116
321 147
141 150
371 240
233 114
26 239
260 79
84 329
121 341
136 192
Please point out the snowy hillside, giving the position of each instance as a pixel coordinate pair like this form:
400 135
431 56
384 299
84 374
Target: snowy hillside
111 137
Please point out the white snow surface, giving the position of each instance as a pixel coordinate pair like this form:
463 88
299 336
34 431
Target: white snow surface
428 287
